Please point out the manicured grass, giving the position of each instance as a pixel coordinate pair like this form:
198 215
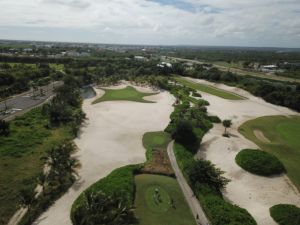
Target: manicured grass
259 162
155 140
151 211
284 135
209 89
126 94
20 157
285 214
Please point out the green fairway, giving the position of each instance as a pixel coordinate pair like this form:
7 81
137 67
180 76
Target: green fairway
159 201
209 89
126 94
284 136
157 140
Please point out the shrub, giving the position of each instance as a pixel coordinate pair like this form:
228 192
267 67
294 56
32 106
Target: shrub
285 214
185 135
259 162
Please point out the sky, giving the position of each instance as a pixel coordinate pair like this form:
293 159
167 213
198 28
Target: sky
253 23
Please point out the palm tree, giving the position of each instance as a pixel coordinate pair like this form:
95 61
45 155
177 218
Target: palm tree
226 124
99 208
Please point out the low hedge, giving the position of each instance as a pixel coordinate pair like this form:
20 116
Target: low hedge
285 214
259 162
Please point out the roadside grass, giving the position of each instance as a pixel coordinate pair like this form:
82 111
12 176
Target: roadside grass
238 65
20 157
209 89
259 162
126 94
284 135
172 207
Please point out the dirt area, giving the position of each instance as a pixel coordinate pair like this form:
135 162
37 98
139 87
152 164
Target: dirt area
254 193
110 138
160 163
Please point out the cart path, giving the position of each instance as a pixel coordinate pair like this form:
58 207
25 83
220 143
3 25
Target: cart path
187 191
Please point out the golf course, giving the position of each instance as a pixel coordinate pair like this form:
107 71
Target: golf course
159 201
209 89
283 135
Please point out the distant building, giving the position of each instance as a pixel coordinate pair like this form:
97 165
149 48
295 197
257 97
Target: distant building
164 64
141 58
268 68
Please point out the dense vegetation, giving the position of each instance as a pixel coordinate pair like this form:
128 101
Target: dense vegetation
259 162
284 134
285 214
118 188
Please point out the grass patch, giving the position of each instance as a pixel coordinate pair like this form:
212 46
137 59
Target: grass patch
170 208
259 162
126 94
285 214
209 89
284 136
20 157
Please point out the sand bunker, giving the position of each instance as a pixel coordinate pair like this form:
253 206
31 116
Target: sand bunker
260 136
254 193
110 138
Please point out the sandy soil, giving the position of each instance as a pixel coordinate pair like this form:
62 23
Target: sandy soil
260 136
110 138
254 193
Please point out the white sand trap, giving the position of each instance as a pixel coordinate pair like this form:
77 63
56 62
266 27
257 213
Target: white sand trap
260 136
254 193
111 138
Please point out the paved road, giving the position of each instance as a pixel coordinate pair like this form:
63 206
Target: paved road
21 103
187 191
241 71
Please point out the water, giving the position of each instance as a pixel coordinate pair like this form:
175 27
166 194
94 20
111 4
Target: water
87 92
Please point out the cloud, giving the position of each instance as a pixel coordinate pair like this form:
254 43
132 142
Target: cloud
196 22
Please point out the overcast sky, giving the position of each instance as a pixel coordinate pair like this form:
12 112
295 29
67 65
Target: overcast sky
185 22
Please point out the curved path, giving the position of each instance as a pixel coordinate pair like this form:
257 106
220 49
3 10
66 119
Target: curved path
111 138
187 191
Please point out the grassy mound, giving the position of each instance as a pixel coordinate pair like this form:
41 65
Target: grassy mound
285 214
284 135
159 200
259 162
126 94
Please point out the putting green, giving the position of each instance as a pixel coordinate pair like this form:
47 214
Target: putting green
159 201
209 89
126 94
284 135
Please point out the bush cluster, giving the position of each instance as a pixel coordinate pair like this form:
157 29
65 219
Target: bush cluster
259 162
285 214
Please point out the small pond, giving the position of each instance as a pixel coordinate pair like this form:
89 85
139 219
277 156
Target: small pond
87 92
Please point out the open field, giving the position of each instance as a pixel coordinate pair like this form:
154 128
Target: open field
209 89
126 94
110 138
172 209
20 158
284 135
